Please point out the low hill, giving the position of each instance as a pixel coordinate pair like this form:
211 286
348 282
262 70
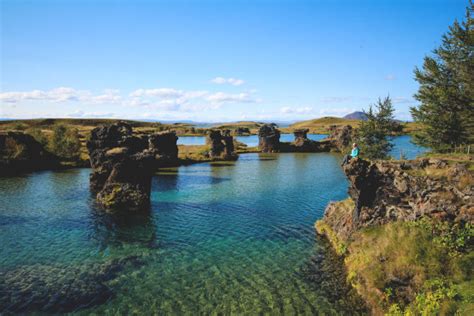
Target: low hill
251 125
357 115
321 125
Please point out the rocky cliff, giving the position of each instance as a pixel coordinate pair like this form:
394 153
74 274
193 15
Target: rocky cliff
388 191
406 226
269 138
20 152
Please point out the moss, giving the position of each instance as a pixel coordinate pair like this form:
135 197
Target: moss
324 229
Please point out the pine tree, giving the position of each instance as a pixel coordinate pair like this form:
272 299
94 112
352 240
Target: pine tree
446 91
373 134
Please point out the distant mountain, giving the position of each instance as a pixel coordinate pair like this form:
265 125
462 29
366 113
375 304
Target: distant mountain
357 115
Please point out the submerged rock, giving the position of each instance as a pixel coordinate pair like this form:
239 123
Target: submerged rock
59 289
20 152
269 138
222 145
123 164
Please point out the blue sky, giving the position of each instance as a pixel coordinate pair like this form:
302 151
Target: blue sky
214 60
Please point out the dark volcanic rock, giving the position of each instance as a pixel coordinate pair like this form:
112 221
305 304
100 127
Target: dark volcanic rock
240 131
164 145
59 289
123 164
341 136
269 138
20 152
303 144
222 145
385 191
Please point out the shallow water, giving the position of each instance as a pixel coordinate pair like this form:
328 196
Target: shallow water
219 238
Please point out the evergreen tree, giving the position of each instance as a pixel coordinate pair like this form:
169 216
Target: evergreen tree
373 134
446 91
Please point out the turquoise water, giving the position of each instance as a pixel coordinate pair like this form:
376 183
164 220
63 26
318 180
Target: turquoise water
218 238
251 140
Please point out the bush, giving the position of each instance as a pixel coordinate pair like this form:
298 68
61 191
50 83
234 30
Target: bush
65 142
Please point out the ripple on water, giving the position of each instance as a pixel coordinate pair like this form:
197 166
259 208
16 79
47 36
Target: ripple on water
222 238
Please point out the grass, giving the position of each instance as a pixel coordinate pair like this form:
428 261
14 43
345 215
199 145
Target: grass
322 125
413 268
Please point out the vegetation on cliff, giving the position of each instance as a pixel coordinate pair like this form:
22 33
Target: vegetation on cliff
373 133
407 235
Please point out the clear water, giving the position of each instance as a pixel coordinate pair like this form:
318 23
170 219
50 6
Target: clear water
219 238
403 145
251 140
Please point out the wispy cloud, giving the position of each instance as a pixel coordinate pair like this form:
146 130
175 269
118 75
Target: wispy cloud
231 81
296 110
61 94
390 77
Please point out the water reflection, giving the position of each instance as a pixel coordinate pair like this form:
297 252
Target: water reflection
117 229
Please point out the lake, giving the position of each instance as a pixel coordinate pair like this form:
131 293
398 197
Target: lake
230 237
402 144
226 237
251 140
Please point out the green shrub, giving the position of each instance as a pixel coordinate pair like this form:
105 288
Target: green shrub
65 142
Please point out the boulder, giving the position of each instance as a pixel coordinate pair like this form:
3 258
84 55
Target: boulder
269 138
303 144
20 152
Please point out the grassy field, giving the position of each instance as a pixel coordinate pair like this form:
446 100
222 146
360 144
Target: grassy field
322 125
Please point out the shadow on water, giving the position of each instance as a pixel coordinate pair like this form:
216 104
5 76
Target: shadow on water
325 273
115 229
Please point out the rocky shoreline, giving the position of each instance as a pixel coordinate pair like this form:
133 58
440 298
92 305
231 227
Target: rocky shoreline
390 197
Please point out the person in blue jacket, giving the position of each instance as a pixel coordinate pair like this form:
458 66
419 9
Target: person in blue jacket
354 154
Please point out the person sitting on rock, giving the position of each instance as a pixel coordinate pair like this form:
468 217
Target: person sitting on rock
354 154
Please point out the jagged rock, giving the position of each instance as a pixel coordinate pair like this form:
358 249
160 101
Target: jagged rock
303 144
222 145
241 131
123 164
384 191
269 138
164 145
59 289
20 152
341 136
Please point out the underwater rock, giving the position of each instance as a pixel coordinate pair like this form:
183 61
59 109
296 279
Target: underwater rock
123 164
20 152
59 289
269 138
222 145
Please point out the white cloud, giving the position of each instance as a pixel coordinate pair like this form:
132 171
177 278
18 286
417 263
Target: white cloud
61 94
159 93
390 77
231 81
222 97
292 110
